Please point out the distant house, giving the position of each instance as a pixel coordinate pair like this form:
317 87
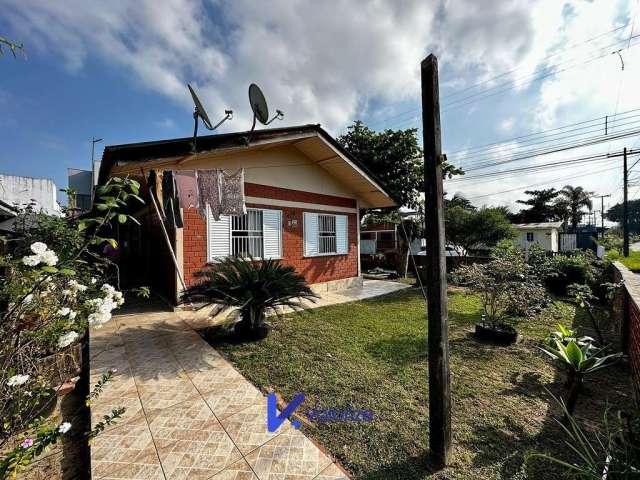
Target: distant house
383 238
545 234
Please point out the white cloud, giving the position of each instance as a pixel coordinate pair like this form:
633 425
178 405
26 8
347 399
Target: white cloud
329 62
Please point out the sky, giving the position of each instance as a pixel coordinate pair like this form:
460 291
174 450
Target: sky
118 71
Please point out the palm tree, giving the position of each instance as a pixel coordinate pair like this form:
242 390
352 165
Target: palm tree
571 202
253 287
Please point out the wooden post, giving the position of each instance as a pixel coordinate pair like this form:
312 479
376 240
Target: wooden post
625 211
436 272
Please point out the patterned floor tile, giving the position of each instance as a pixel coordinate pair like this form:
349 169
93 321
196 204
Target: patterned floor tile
120 391
231 396
164 392
248 428
211 379
238 471
191 443
289 456
332 472
126 452
102 361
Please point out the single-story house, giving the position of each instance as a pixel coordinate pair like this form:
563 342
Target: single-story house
297 179
545 234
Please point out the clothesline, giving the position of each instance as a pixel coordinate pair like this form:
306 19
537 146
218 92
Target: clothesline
220 191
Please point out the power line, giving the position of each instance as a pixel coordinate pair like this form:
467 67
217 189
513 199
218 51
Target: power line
571 47
527 79
556 149
545 133
543 183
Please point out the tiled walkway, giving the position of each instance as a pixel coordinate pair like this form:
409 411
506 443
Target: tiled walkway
190 414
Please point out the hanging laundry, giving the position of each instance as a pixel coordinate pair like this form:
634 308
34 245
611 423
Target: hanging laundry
170 200
232 193
187 188
209 192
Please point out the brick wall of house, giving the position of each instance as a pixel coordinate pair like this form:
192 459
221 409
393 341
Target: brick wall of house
627 312
314 269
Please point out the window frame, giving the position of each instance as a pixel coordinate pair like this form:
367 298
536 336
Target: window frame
332 234
233 219
532 236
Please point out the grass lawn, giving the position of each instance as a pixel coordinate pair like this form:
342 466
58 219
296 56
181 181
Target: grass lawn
372 355
632 262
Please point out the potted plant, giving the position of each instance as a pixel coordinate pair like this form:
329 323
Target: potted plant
506 289
255 288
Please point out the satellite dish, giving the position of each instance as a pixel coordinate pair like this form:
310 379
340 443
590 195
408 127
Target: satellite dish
200 112
260 108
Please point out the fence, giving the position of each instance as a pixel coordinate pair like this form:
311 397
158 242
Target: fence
628 312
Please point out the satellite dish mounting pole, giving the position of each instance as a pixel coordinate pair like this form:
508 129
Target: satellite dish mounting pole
195 130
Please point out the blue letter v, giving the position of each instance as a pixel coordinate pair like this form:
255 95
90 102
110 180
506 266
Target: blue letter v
273 419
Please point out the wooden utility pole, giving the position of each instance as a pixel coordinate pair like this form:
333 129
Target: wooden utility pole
625 207
436 273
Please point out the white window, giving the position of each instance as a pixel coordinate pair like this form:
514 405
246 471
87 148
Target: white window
258 233
247 234
325 234
529 236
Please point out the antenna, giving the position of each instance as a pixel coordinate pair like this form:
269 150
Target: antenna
200 112
259 107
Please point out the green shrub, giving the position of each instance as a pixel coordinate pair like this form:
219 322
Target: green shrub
578 268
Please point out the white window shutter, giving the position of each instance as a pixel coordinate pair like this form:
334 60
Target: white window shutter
342 234
219 236
272 233
310 234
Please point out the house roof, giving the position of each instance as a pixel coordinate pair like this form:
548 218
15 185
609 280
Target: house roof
538 226
312 140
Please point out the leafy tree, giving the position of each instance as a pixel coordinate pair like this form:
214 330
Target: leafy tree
570 202
468 229
615 215
458 201
394 157
541 207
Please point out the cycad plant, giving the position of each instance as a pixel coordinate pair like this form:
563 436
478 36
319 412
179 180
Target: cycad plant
579 357
254 287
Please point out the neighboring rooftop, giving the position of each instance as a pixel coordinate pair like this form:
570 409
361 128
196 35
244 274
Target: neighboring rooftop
310 139
538 226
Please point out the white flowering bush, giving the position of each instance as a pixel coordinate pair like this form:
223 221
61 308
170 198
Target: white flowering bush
52 291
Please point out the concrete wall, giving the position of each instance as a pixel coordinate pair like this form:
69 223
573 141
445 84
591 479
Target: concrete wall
21 191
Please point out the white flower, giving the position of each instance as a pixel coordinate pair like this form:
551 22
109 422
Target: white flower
31 260
49 258
72 315
64 427
76 286
108 289
39 248
67 339
66 293
98 319
93 280
28 299
119 298
17 380
64 311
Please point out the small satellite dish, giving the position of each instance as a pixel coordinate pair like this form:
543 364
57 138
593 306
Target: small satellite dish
200 112
260 108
